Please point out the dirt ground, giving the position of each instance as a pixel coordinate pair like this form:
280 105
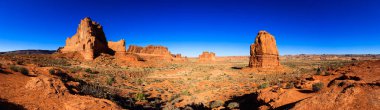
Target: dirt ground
222 84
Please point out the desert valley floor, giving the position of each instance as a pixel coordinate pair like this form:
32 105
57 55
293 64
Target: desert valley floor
53 81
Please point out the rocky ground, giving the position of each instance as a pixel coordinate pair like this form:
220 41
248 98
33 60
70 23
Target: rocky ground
54 82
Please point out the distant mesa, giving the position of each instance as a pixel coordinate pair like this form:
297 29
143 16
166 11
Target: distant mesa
206 57
90 41
28 52
150 49
264 52
152 52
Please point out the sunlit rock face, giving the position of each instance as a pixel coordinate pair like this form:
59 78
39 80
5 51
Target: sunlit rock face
207 57
89 40
264 52
150 49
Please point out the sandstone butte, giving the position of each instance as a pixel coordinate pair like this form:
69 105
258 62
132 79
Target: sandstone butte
264 53
150 49
90 41
207 57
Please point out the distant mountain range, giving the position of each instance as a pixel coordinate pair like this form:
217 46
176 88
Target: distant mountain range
29 52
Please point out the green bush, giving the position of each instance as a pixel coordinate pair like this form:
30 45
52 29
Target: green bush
217 103
317 86
264 85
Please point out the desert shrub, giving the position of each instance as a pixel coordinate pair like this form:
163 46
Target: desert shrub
14 68
93 90
139 96
1 68
75 69
289 85
233 105
53 71
264 85
24 70
111 80
215 104
317 86
88 70
318 71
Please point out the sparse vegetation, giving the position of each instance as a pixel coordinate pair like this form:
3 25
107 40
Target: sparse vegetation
289 85
216 103
264 85
14 68
139 96
20 69
317 86
111 80
318 71
233 105
186 92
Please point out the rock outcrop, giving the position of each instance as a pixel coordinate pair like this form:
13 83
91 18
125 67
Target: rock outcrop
90 41
151 52
118 47
264 53
207 57
150 49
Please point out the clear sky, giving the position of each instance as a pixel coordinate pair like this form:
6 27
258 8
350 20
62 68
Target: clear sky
226 27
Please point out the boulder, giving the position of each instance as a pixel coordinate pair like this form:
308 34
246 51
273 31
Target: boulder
264 53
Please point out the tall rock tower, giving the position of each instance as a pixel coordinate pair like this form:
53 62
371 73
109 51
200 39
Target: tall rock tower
264 53
89 40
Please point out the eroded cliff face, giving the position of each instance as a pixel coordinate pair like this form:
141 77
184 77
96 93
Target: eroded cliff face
118 47
264 52
150 49
90 41
207 57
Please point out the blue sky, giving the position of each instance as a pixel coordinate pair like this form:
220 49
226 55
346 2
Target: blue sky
226 27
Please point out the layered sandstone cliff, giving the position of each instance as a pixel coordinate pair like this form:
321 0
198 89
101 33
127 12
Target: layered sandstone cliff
118 47
207 57
264 53
150 49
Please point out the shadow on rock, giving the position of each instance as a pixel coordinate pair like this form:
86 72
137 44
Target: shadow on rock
5 105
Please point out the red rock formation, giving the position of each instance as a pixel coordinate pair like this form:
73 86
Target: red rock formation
177 55
207 57
152 50
89 40
264 53
118 47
